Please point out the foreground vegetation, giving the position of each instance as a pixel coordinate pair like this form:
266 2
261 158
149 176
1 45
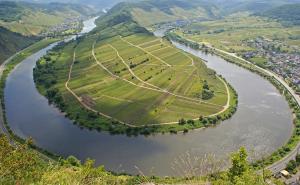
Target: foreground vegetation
20 164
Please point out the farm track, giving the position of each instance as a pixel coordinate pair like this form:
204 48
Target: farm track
152 87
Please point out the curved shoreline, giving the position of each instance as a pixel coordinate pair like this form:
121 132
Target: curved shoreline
268 162
135 142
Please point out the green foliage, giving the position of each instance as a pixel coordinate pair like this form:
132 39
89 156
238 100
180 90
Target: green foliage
288 14
19 164
206 92
240 173
10 11
291 166
239 163
14 11
11 42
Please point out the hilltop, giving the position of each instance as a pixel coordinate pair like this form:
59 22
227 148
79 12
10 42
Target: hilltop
32 18
147 13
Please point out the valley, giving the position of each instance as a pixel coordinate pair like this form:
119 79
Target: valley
177 88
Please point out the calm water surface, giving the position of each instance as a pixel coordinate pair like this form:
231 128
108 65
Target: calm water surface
262 123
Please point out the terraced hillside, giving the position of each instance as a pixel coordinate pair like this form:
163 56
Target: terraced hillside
147 13
136 80
121 73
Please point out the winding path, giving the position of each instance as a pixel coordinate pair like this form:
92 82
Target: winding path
153 87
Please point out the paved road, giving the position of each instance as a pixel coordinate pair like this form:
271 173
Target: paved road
281 164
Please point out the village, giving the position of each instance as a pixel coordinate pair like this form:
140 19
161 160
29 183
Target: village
69 26
282 61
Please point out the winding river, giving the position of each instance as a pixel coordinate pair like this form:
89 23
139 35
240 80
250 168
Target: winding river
262 123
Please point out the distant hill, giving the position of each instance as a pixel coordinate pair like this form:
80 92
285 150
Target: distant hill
288 14
92 3
32 18
150 12
118 21
11 42
252 6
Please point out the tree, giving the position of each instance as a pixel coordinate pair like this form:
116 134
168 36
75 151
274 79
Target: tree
182 121
298 159
240 172
239 163
291 166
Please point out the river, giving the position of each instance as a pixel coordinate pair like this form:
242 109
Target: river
262 123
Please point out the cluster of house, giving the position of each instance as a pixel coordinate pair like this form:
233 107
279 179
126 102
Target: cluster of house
285 64
68 24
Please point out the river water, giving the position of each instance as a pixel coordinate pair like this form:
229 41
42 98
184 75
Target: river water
262 123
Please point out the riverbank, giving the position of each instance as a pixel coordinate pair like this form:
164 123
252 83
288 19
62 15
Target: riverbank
8 66
153 155
286 152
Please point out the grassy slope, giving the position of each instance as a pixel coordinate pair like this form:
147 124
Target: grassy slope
11 42
151 12
32 19
229 33
120 99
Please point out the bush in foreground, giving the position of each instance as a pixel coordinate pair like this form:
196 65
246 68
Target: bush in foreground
19 164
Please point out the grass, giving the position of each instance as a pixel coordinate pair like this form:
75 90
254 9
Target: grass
33 19
34 23
260 61
230 33
129 82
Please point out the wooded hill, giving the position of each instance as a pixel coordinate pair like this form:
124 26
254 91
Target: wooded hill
288 14
11 42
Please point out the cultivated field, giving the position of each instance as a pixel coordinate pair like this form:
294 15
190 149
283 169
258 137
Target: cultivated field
139 80
230 33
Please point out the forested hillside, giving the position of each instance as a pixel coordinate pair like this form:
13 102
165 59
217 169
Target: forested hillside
288 14
11 42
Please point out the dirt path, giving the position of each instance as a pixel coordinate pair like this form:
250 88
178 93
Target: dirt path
153 87
145 51
80 99
158 89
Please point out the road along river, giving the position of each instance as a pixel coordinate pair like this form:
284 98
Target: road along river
262 123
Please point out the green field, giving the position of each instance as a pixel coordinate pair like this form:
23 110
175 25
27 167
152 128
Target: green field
32 19
137 80
230 33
